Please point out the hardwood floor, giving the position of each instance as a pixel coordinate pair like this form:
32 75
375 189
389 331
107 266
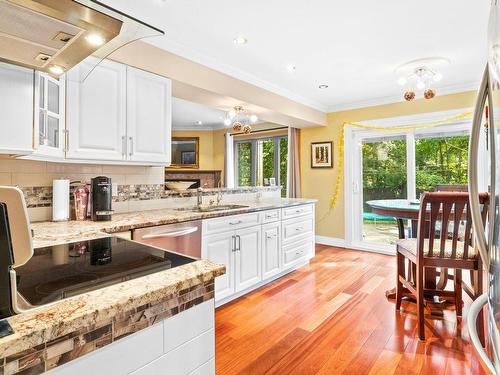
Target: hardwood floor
332 317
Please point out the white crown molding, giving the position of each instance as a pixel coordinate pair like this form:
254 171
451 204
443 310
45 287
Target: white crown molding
230 70
445 90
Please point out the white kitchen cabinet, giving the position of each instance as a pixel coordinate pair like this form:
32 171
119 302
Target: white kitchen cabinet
271 249
240 252
149 108
16 103
49 117
248 254
257 247
220 249
180 345
97 112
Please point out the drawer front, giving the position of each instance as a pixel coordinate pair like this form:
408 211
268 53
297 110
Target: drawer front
293 229
296 211
230 223
271 216
295 252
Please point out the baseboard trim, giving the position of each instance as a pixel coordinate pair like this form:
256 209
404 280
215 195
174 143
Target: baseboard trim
339 242
331 241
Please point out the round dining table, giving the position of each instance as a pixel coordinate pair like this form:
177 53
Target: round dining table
401 210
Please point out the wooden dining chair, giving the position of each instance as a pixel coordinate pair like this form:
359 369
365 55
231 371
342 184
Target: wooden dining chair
443 249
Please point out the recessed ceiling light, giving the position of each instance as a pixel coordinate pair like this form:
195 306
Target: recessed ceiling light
253 119
56 69
199 123
420 85
240 40
323 86
402 81
227 121
290 68
95 39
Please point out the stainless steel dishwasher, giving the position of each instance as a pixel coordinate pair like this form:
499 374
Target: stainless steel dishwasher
182 238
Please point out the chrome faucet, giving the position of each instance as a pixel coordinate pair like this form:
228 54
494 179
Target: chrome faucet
199 195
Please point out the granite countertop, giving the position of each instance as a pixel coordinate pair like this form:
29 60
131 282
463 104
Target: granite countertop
50 322
43 324
56 233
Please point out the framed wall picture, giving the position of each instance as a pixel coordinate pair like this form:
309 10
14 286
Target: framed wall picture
322 154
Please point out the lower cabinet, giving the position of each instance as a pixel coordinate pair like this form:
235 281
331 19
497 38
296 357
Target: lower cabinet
257 247
180 345
240 252
271 249
248 266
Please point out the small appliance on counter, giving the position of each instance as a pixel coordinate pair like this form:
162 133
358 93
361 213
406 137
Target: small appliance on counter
101 191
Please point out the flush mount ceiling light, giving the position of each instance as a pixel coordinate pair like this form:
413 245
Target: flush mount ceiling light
95 39
239 120
421 75
290 68
56 69
240 40
322 87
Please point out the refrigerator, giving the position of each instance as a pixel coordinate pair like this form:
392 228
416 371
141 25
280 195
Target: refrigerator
488 239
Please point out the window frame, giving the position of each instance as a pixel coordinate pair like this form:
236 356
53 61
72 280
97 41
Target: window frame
253 168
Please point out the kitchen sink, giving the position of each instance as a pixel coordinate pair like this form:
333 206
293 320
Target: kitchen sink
222 207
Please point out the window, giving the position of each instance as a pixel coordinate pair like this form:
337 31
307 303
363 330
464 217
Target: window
259 160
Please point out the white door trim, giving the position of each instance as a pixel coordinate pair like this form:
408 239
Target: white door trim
353 165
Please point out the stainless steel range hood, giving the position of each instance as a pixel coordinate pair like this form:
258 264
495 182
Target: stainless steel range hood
54 35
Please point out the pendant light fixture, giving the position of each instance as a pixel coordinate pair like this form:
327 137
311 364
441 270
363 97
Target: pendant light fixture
239 120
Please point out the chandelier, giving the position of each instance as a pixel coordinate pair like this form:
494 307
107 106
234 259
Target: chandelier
239 120
420 75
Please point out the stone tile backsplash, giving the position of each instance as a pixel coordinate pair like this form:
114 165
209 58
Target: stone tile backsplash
138 188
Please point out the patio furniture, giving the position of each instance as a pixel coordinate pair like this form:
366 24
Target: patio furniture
444 250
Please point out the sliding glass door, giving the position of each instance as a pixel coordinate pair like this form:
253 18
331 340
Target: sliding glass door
391 165
384 176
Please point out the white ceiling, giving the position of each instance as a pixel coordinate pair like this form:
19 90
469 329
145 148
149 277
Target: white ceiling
353 46
186 114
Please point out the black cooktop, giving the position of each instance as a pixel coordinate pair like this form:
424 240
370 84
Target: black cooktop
62 271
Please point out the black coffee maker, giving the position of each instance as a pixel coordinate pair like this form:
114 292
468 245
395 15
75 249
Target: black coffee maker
101 193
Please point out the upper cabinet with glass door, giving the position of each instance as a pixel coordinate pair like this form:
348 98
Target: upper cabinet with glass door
49 125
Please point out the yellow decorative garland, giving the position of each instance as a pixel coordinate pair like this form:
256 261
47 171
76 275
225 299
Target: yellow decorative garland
384 128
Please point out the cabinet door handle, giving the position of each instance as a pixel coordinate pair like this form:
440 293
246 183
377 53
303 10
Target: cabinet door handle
66 140
239 243
235 222
233 239
124 146
298 211
298 229
270 236
131 139
271 216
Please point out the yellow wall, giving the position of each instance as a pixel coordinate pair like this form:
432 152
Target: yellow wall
320 183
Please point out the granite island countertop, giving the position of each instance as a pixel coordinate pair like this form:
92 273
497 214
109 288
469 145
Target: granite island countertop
153 296
56 233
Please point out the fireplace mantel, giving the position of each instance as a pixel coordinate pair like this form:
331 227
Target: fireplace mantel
206 178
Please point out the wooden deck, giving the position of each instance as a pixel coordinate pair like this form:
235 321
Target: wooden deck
332 317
